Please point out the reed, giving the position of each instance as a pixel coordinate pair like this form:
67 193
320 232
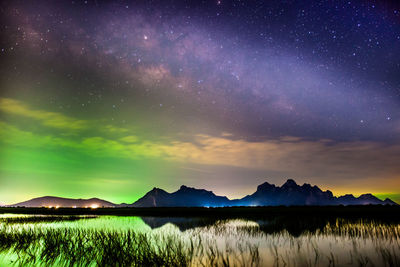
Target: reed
83 247
245 243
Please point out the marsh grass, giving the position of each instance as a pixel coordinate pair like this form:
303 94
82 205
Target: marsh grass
338 243
221 243
83 247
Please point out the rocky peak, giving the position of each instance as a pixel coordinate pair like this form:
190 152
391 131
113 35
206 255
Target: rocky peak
265 187
367 196
156 191
289 183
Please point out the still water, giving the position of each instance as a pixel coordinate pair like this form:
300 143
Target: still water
27 240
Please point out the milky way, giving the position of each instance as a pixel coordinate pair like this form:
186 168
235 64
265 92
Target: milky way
115 98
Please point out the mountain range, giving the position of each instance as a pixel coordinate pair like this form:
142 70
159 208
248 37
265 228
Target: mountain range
56 202
289 194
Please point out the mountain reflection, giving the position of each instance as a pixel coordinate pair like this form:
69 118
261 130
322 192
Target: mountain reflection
294 227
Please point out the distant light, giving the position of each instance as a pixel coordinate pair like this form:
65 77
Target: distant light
94 206
145 37
74 207
50 207
57 207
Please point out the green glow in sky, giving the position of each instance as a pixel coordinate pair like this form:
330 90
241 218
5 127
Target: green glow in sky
49 153
109 100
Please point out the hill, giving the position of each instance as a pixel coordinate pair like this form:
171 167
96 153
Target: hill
49 201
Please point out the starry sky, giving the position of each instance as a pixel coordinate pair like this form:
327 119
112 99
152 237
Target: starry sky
111 98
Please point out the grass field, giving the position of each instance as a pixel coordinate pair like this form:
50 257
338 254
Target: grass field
215 237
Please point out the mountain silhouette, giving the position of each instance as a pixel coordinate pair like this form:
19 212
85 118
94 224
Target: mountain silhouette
388 201
49 201
184 197
289 194
364 199
154 198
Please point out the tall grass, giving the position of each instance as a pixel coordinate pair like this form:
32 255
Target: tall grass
84 247
222 243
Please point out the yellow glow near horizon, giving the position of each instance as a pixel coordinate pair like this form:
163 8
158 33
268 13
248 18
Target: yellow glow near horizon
94 206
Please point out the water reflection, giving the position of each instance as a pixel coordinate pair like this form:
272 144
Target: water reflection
181 223
294 226
164 241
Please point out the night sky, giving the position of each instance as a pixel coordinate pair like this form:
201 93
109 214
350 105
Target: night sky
111 98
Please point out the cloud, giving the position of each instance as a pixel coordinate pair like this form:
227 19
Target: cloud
320 158
301 158
114 130
129 139
54 119
47 118
339 165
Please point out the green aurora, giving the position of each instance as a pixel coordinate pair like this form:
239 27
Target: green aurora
45 152
104 104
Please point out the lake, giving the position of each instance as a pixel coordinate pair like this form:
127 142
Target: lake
54 240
